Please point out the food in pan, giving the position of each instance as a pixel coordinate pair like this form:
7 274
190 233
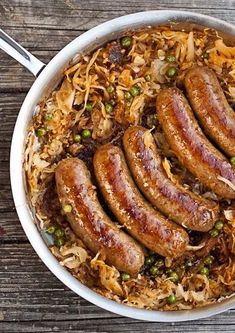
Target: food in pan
175 201
143 222
89 221
193 149
130 169
211 107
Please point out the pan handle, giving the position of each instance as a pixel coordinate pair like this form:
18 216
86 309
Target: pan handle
17 52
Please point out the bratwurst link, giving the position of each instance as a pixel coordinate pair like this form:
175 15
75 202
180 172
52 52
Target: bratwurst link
191 146
211 107
90 222
124 199
175 201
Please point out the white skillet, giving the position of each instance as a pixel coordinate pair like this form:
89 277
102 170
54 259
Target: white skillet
47 77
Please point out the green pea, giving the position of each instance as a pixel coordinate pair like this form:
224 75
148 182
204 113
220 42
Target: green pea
148 77
204 271
67 209
125 276
171 72
59 233
128 96
86 133
208 260
41 131
232 160
154 271
59 242
48 116
174 277
126 41
171 299
170 58
214 233
89 107
108 108
77 138
219 225
110 89
159 263
205 55
135 90
150 260
51 229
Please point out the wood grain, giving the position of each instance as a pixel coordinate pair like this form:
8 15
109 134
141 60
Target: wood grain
105 325
30 294
32 299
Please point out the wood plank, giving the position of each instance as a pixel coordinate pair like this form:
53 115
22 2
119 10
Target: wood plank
10 228
30 293
111 325
10 105
34 39
6 204
85 14
14 77
28 290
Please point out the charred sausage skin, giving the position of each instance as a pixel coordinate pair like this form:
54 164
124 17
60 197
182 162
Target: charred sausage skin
191 146
130 208
90 222
172 199
211 107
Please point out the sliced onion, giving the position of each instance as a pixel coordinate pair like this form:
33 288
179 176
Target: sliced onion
229 214
156 68
226 181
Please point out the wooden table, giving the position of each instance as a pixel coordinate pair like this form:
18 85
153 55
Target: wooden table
31 297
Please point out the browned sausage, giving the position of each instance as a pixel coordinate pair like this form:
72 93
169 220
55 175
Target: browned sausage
211 107
191 146
124 199
173 200
90 222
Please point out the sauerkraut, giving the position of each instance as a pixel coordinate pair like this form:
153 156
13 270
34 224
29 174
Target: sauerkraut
99 96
